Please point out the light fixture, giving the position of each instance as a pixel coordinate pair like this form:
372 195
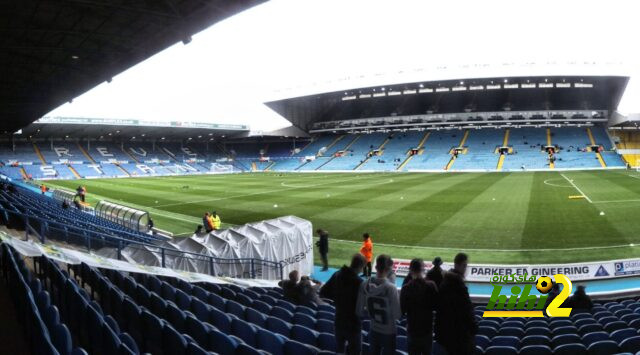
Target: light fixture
210 134
462 83
199 136
109 133
142 135
75 57
162 138
421 85
506 81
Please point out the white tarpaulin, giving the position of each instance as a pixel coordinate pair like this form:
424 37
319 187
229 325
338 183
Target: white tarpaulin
257 249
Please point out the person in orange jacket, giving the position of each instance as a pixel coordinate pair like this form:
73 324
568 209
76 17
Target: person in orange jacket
367 252
43 189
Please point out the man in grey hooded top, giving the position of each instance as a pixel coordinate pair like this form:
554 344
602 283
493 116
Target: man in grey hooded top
378 299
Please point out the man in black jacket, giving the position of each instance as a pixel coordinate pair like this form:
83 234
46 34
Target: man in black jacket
343 288
323 247
418 300
435 274
455 322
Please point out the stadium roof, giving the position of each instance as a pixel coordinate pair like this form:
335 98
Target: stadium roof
52 51
127 129
496 94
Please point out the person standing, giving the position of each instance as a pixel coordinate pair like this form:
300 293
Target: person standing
289 290
207 222
418 300
343 288
367 251
216 221
435 274
323 247
455 322
43 188
378 299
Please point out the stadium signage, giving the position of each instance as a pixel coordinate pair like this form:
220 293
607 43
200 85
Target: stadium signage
521 303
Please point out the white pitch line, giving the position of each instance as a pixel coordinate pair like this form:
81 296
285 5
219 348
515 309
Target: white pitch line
577 188
617 201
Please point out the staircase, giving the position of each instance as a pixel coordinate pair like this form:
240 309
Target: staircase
335 141
270 166
74 172
453 157
86 154
552 165
419 148
24 173
370 153
254 167
505 142
39 154
123 169
593 142
126 151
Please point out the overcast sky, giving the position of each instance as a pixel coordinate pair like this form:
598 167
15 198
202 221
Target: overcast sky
287 48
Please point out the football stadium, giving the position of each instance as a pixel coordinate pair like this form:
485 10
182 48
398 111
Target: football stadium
477 212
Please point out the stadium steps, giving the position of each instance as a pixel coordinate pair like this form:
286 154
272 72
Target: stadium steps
593 142
123 169
301 165
505 143
271 164
86 154
126 151
254 167
23 173
74 172
380 148
325 163
551 164
335 141
169 154
461 145
341 150
419 148
303 148
39 154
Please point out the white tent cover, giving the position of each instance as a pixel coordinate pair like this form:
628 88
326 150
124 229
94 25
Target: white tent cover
285 241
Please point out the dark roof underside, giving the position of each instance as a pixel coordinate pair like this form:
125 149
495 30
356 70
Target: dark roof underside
51 51
604 95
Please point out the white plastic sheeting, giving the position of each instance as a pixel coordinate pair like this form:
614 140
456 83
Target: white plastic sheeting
255 250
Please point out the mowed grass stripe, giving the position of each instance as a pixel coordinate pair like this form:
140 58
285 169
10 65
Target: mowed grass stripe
501 208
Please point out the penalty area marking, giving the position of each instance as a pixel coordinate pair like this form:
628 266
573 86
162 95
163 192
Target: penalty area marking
284 184
546 182
577 188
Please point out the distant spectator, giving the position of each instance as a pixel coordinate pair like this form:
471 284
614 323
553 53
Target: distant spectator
43 189
289 286
307 291
580 300
378 299
455 322
418 300
367 252
150 224
343 288
435 274
76 201
198 229
207 222
215 220
323 247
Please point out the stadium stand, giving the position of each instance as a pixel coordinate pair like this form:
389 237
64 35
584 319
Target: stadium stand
394 152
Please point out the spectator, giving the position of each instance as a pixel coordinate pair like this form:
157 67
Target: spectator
215 220
43 189
207 222
378 299
150 224
76 201
306 292
343 288
435 274
580 300
367 252
418 300
198 229
455 322
289 286
323 247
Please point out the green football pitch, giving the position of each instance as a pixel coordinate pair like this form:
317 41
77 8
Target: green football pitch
520 217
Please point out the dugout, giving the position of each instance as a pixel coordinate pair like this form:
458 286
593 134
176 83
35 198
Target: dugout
126 216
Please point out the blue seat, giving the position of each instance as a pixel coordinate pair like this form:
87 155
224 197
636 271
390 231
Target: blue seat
217 301
61 339
570 349
228 293
270 342
593 337
221 343
556 323
304 335
244 300
51 317
613 326
142 296
564 330
631 345
195 349
109 340
244 331
220 320
536 323
482 341
244 349
254 317
176 317
292 347
584 321
578 316
487 331
197 329
327 342
235 308
607 319
565 339
173 342
535 350
183 301
281 313
501 350
401 343
603 347
324 326
535 340
325 315
152 331
304 320
261 307
622 334
538 331
512 324
200 309
200 293
158 305
286 305
306 310
505 340
127 340
590 328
